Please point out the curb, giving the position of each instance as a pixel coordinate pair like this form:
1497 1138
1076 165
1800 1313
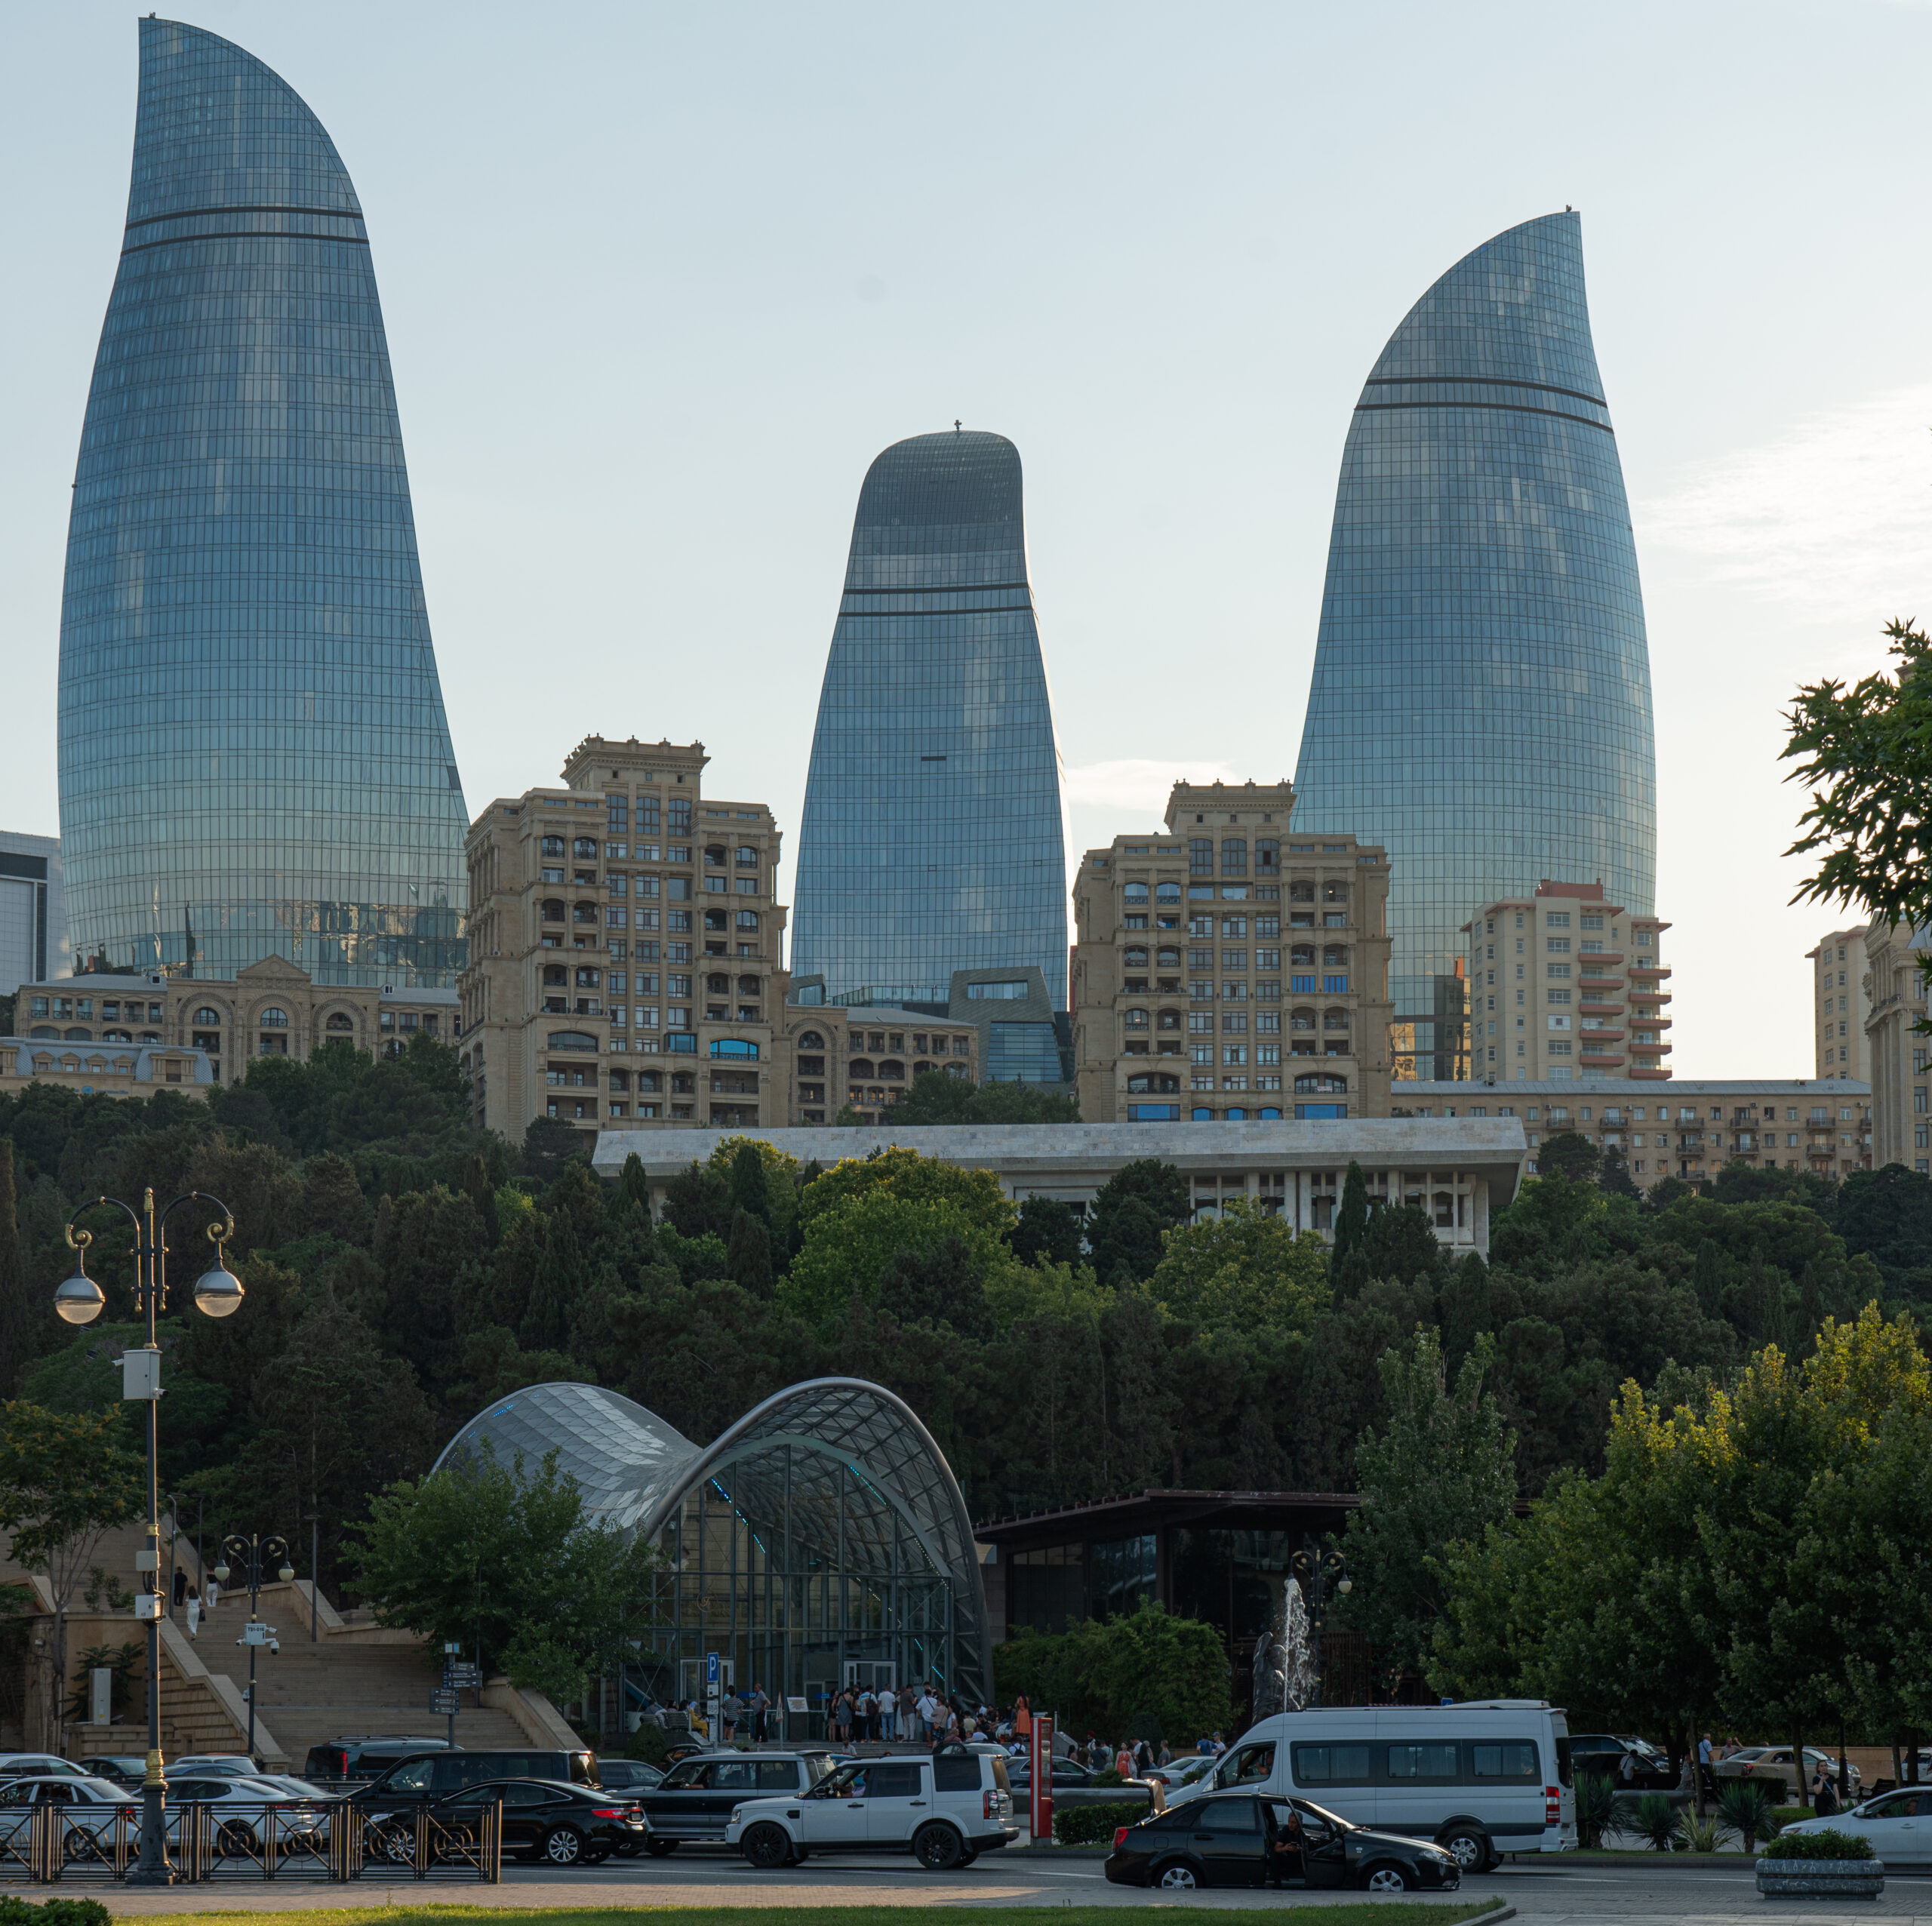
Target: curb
1493 1917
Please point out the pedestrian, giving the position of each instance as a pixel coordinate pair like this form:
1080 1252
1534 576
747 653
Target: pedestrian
888 1715
841 1716
1167 1757
194 1614
928 1713
761 1708
1626 1768
1124 1760
863 1707
1704 1750
729 1714
212 1594
181 1585
1824 1792
908 1711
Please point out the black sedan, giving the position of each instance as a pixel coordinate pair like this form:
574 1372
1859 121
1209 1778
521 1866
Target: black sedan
545 1820
1239 1840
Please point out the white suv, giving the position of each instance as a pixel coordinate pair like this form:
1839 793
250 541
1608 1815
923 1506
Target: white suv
945 1808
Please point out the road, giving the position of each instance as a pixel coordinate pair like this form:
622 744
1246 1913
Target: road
1642 1894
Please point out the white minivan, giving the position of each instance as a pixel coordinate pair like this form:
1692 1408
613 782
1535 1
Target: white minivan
1481 1779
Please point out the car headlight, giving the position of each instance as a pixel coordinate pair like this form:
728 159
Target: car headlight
737 1813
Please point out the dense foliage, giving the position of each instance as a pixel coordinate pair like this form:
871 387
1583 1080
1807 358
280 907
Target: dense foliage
1143 1674
403 1270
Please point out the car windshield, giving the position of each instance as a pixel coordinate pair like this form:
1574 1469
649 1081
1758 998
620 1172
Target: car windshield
686 1773
107 1789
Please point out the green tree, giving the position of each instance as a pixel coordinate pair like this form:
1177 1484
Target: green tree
1441 1471
1048 1231
66 1479
945 1285
748 1256
1866 749
846 1250
1141 1672
549 1144
1568 1153
18 1322
1130 1216
1244 1269
908 1174
1351 1217
508 1562
933 1097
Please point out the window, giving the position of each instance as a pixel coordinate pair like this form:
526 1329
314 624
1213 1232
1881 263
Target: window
1330 1765
1514 1759
995 992
1234 856
1557 919
274 1018
1432 1760
205 1015
1200 857
1136 894
1559 945
553 846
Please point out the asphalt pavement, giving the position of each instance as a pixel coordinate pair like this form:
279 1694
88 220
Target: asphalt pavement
1642 1893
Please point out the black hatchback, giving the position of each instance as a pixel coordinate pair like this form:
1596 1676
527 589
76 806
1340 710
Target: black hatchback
545 1820
1240 1840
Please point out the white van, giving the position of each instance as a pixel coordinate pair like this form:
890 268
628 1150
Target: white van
1482 1779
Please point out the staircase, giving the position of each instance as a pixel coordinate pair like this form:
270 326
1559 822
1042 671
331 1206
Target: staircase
340 1686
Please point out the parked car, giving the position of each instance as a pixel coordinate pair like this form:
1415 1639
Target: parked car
550 1820
291 1787
1481 1779
1771 1765
241 1807
366 1759
21 1765
1603 1753
1065 1774
1183 1771
1898 1824
423 1776
692 1804
91 1806
225 1764
945 1808
123 1768
1226 1840
627 1775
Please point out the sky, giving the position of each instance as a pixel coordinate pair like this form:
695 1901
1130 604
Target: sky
660 282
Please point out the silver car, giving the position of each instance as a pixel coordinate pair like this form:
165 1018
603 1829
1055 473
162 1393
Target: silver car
92 1807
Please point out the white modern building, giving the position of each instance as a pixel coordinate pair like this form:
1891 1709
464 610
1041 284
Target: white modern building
33 911
1458 1168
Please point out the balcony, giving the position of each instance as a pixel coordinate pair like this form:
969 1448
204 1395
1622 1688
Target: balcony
1600 959
1600 1009
1603 1033
1600 1060
1655 972
1646 1071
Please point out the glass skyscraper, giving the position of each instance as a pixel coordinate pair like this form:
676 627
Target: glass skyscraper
254 756
933 839
1480 701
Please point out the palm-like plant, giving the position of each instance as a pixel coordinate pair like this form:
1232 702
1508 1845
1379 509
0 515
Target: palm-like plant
1700 1835
1746 1807
1660 1821
1596 1807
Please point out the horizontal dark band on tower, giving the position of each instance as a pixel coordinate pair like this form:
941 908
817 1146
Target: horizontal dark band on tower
948 588
238 208
919 614
1486 380
244 234
1510 408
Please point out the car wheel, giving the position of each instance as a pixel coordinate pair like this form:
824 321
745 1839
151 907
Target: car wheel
1386 1878
396 1844
938 1848
78 1844
767 1846
235 1840
658 1848
1177 1877
1468 1846
564 1846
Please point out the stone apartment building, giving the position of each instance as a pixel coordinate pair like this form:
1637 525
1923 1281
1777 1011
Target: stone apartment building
1840 1003
625 941
271 1008
1230 969
1895 993
1690 1128
1563 984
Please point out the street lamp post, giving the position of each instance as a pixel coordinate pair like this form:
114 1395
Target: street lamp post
252 1552
1319 1572
78 1301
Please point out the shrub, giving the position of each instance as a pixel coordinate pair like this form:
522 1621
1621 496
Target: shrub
1596 1808
1746 1807
15 1911
1082 1824
648 1743
1700 1835
1658 1821
1106 1777
1830 1844
1779 1817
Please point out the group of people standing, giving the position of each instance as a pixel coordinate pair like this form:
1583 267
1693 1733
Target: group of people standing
906 1715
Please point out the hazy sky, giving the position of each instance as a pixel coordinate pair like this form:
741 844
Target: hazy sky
660 282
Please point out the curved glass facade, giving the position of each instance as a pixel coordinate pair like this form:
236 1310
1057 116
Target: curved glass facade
932 838
253 757
1480 700
821 1538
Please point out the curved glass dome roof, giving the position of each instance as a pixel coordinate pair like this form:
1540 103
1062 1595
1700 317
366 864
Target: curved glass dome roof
838 1472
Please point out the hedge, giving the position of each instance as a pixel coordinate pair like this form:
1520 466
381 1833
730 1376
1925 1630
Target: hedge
1084 1825
1830 1844
15 1911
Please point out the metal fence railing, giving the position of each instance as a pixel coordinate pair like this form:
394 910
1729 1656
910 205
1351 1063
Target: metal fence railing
238 1839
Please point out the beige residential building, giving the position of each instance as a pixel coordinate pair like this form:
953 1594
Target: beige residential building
831 1059
1230 969
271 1008
102 1069
1895 993
1840 1002
625 948
1690 1128
1563 984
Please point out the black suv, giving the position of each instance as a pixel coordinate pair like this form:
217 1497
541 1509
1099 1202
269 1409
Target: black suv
692 1803
366 1759
429 1777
